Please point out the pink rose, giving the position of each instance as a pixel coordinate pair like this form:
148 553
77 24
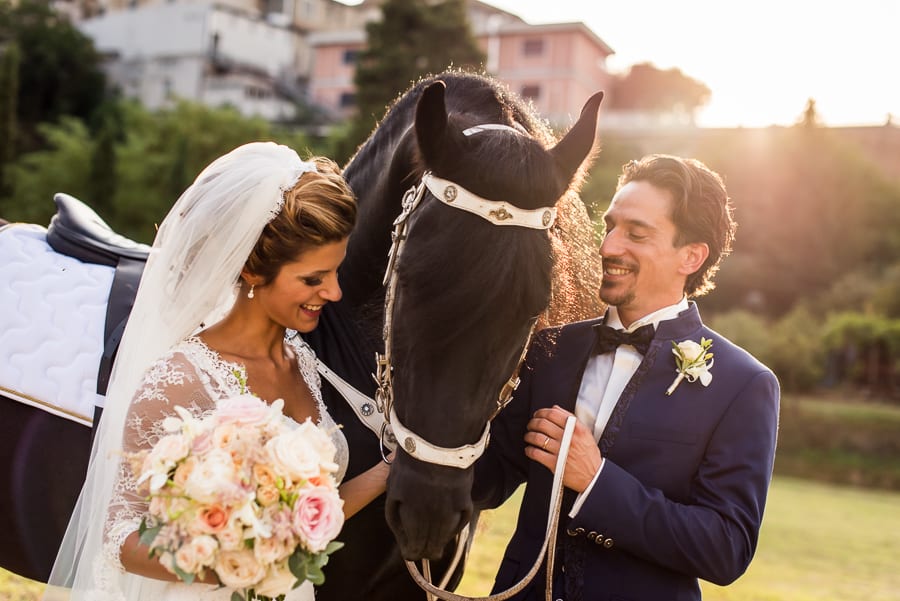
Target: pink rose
213 518
244 410
318 517
202 443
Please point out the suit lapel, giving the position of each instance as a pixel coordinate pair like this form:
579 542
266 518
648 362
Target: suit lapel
683 326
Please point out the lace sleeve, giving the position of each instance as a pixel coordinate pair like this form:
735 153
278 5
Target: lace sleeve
173 380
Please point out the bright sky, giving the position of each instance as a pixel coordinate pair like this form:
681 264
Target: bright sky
762 59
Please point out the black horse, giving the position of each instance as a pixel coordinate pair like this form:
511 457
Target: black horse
466 296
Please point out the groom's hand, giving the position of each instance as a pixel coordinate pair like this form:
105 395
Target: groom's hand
544 436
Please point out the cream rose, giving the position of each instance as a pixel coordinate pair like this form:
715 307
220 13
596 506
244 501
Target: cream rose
267 495
205 548
271 549
184 470
232 536
213 479
294 455
317 517
239 569
278 581
162 458
323 444
187 560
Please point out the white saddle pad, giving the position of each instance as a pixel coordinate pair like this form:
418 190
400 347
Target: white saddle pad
52 318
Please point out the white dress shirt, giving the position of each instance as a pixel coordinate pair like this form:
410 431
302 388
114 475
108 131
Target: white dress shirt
605 377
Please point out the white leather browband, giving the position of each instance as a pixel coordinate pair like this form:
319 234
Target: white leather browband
416 446
477 129
495 211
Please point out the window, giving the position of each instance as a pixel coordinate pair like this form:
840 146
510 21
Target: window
533 47
256 93
531 92
348 99
350 57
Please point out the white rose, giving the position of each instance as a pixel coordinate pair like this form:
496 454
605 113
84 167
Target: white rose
213 479
239 569
690 350
278 581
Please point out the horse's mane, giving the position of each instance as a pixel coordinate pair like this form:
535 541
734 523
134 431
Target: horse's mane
474 99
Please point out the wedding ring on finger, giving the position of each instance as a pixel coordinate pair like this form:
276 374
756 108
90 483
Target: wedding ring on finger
546 442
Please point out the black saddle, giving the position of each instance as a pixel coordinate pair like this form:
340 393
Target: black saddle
77 231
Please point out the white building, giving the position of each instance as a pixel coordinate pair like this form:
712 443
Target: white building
205 52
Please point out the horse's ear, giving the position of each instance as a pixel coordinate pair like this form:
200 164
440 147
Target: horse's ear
575 147
431 121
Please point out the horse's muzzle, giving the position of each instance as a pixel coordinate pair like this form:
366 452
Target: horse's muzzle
427 505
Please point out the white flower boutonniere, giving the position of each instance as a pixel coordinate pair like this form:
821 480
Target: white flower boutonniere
692 361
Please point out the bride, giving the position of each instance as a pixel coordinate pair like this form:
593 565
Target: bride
246 258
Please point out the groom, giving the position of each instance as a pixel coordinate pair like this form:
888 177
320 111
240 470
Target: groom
668 470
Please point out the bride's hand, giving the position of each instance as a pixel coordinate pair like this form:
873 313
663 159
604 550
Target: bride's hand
365 488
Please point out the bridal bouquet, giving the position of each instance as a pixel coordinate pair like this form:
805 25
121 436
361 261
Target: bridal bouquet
244 493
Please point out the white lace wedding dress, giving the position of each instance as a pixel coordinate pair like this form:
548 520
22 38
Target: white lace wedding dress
194 376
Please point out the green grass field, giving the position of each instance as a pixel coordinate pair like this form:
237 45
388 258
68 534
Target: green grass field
819 542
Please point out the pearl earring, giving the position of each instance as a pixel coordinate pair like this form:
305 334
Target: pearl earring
250 294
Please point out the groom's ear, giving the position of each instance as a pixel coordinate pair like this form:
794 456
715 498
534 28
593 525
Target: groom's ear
693 257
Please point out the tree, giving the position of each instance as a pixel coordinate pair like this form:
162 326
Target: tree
810 118
647 88
134 169
9 94
59 72
811 210
413 38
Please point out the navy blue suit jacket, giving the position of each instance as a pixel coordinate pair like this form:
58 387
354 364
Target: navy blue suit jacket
682 491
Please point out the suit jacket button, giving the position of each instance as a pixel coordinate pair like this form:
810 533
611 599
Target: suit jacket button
576 532
608 543
600 540
592 535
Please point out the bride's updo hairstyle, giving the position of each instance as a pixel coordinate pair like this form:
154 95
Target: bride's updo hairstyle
318 210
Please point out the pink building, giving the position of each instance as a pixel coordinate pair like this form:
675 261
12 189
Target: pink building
555 66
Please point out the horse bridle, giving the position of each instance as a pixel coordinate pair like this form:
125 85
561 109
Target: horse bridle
498 213
501 214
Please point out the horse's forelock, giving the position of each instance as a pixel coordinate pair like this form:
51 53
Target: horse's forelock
501 272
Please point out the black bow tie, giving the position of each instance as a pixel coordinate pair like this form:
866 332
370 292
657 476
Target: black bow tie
608 339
